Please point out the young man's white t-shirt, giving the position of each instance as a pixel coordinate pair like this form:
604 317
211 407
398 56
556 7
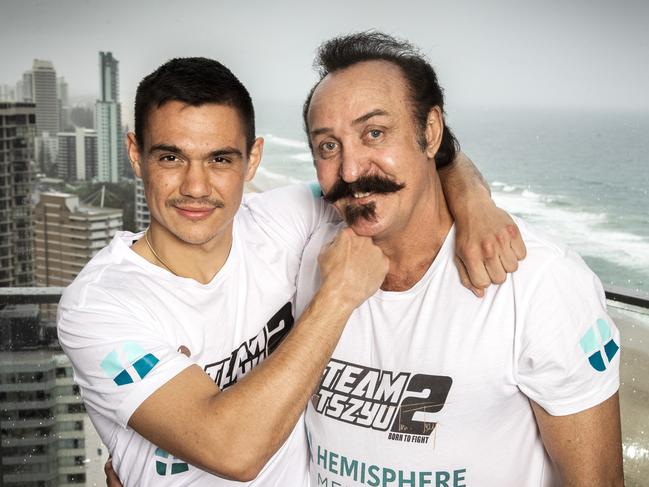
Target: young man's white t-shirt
431 386
129 326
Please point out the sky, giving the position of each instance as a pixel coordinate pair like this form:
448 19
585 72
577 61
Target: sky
554 54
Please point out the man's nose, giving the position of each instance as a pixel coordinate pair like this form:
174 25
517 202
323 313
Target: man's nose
353 164
196 181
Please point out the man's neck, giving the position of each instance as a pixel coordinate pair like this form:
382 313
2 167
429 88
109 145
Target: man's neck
200 262
413 248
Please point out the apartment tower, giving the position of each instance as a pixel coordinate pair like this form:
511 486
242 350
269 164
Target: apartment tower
77 156
142 215
46 97
47 439
108 122
17 132
68 235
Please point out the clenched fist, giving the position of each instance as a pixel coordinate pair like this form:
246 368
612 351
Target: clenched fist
352 267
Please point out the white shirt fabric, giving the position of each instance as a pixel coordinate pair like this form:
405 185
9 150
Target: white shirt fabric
431 386
123 322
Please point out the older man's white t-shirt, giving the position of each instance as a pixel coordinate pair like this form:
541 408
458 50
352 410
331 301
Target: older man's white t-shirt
432 386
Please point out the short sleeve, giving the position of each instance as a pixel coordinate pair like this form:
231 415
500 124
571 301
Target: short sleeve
117 357
290 214
567 357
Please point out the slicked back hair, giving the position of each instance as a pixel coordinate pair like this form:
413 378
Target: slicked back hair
425 92
195 81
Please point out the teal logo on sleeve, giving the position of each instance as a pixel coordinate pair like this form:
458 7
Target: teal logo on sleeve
138 363
599 346
168 464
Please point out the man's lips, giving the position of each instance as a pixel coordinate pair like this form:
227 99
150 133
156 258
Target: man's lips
195 213
358 199
361 197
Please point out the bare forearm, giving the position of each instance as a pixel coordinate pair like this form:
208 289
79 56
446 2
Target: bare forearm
488 244
264 407
462 183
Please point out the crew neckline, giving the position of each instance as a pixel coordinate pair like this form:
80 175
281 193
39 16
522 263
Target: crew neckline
126 239
430 272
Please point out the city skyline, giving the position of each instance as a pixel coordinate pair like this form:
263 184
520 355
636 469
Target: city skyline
582 55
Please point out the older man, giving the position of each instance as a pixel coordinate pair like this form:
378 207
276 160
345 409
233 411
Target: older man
430 385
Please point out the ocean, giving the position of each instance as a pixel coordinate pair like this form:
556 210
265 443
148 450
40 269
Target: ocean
581 177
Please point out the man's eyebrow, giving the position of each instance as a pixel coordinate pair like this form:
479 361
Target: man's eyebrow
320 131
165 148
361 119
368 115
226 151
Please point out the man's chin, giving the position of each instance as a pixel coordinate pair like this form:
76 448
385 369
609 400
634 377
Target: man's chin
196 236
354 213
366 228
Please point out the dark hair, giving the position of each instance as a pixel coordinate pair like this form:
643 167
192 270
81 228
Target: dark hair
425 92
195 81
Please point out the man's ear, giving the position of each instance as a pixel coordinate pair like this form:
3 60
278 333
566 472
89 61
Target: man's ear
434 131
134 154
254 158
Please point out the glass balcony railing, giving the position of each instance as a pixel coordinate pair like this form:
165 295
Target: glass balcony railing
53 432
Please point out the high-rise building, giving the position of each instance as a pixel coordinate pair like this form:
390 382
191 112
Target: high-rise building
64 105
17 131
46 148
77 156
28 417
68 235
108 121
7 93
45 97
46 436
19 90
26 88
142 215
90 153
81 454
127 170
108 77
62 91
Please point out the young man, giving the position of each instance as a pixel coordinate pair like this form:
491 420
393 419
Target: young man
162 327
429 385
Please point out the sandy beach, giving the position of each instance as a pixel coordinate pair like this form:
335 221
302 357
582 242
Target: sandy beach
633 323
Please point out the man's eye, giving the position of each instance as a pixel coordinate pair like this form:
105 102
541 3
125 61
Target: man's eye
169 158
221 160
328 146
375 133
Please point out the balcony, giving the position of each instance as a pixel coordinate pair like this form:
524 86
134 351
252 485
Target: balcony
29 441
28 423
